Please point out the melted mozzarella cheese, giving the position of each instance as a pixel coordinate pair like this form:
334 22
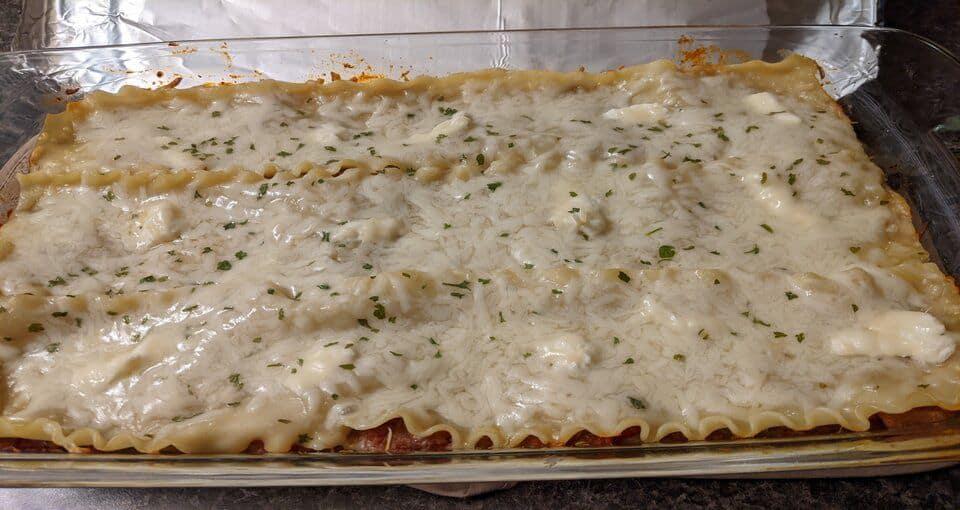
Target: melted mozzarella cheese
529 262
897 333
638 113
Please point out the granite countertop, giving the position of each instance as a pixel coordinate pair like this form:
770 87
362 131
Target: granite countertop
936 19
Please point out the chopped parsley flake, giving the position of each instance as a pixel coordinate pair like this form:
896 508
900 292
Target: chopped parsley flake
494 185
790 296
624 277
224 265
637 403
365 323
666 251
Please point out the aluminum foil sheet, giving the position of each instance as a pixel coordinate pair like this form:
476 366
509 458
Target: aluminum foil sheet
72 23
84 23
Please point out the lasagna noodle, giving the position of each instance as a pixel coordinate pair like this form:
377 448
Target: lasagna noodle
675 250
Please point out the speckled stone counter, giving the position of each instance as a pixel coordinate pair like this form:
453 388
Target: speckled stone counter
937 19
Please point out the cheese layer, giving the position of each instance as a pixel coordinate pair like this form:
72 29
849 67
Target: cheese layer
494 255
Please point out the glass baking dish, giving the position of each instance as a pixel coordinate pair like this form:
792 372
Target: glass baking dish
898 89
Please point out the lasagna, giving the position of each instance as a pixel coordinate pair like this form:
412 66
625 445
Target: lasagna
488 259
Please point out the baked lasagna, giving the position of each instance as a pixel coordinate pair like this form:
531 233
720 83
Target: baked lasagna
488 259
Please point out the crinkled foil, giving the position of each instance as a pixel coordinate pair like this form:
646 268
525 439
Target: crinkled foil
72 23
85 23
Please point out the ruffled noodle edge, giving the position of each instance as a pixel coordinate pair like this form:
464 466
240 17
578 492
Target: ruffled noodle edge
198 437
